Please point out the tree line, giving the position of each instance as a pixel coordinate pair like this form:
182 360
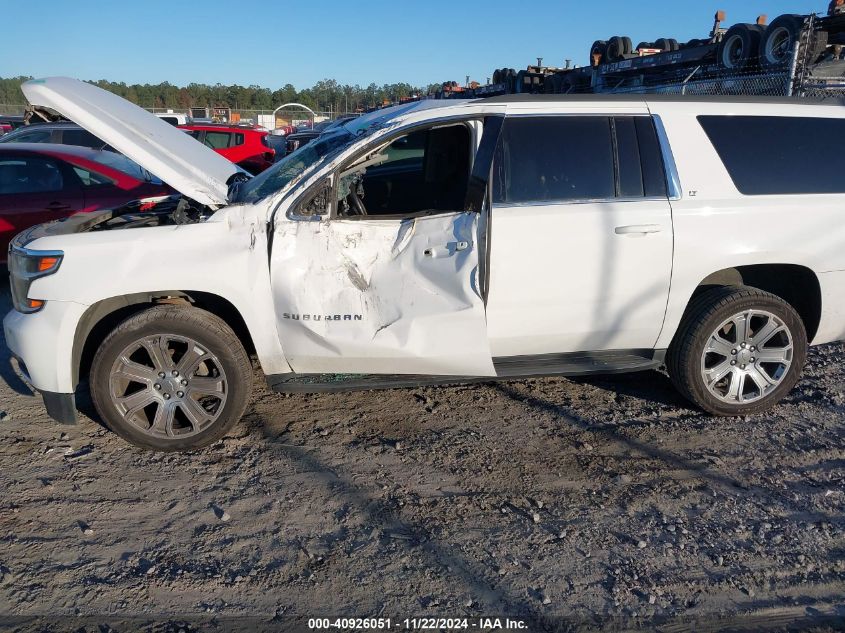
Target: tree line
325 95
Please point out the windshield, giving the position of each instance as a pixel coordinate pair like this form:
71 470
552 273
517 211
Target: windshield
293 166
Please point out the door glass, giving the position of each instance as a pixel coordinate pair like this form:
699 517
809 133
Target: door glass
83 138
555 159
90 178
424 171
34 136
29 175
217 140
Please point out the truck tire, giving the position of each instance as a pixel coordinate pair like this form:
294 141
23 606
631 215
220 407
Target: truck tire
779 38
617 48
738 351
667 44
740 46
171 378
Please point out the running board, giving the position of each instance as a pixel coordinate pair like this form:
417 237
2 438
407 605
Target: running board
577 364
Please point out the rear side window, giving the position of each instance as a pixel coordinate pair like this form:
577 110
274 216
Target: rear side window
83 138
90 178
239 139
779 155
29 175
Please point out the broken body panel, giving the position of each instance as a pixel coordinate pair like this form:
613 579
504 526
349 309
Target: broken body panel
403 295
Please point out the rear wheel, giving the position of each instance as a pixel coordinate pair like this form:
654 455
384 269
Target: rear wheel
740 46
171 378
738 351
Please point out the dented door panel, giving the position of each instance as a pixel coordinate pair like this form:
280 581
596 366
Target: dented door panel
381 296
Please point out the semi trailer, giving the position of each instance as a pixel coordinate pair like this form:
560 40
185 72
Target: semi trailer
792 54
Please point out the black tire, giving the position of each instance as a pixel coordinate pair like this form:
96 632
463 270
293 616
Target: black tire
496 76
740 47
667 44
597 53
643 45
779 38
217 340
617 48
519 82
685 358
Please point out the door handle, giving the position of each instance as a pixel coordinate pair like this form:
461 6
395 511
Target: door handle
58 206
448 250
638 229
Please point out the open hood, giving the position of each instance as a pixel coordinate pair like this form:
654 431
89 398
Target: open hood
191 168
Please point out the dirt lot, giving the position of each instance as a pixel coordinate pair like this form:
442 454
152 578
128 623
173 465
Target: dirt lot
594 503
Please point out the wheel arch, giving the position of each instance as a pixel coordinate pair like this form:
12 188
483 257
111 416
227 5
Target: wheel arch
797 285
102 317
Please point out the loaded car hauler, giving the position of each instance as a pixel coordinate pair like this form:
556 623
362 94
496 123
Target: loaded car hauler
792 54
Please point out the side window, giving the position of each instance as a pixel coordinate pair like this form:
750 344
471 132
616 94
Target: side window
577 158
90 178
555 159
35 136
29 175
767 155
83 138
423 171
316 202
217 140
239 139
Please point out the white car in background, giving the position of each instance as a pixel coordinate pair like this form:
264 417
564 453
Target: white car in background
442 242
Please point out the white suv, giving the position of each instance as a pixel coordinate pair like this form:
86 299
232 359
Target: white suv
442 242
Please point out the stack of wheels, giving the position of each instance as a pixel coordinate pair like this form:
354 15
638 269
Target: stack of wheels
617 48
740 47
783 35
505 76
643 45
597 51
667 45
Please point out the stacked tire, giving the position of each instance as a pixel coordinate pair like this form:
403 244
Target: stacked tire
783 35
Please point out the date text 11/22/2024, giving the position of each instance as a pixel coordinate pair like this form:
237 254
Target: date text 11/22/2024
418 624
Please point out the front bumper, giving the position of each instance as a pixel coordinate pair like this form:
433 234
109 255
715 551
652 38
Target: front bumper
43 343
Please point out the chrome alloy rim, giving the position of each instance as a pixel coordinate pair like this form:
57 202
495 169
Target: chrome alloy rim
747 357
168 386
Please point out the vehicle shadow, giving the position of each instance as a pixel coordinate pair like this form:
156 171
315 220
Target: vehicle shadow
645 385
7 370
717 480
491 596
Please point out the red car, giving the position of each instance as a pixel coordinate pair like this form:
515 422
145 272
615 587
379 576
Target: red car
40 182
246 146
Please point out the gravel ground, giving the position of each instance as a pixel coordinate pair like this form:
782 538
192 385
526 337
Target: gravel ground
596 503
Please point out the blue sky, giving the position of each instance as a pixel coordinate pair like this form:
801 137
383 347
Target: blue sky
268 44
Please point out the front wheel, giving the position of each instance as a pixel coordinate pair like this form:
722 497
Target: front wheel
738 351
171 378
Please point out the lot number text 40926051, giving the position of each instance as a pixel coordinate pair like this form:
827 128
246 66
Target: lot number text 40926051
418 624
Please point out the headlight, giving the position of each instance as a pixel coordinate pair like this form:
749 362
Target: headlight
25 266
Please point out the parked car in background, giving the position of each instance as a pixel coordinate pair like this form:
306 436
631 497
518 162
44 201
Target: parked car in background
279 145
40 182
306 135
174 118
246 146
10 122
56 133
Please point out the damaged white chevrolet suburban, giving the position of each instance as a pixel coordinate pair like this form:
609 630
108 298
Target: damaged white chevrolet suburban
440 242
